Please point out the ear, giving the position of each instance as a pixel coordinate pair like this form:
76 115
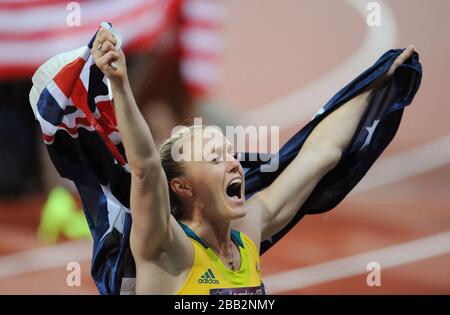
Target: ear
181 187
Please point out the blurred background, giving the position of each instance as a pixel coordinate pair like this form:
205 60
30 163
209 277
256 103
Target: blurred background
260 62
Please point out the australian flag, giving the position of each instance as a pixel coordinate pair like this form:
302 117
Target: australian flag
72 103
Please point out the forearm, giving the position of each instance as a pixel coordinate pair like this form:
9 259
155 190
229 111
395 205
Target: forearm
134 131
336 130
282 199
320 153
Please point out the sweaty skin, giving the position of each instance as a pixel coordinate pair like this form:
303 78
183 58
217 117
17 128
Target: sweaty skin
162 251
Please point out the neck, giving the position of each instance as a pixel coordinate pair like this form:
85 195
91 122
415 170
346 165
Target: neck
217 234
216 231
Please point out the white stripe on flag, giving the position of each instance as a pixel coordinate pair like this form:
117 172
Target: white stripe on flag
201 72
203 10
18 51
70 119
85 72
115 137
96 114
74 136
46 127
57 94
116 211
45 74
51 17
198 39
101 98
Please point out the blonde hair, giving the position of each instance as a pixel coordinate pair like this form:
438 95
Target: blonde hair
173 168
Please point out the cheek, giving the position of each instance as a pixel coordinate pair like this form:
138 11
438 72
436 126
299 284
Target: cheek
206 185
211 175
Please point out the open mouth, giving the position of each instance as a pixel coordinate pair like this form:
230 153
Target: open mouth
234 189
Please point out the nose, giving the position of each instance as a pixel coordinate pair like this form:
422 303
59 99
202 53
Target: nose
234 164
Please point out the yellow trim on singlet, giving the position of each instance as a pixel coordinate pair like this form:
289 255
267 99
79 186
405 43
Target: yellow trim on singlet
208 271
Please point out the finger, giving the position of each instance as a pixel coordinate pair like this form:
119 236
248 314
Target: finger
409 51
107 46
405 55
96 54
105 36
106 60
102 38
401 59
97 37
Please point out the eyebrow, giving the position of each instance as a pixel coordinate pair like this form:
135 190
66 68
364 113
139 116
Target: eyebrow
219 149
230 147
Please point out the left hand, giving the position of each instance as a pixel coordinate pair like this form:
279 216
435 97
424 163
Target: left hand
405 55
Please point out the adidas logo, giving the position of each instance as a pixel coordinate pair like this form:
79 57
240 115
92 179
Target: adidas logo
208 277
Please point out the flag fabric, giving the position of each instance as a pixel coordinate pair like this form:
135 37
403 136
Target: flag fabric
72 103
32 31
201 44
374 133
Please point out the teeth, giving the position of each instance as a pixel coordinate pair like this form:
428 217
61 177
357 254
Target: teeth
236 180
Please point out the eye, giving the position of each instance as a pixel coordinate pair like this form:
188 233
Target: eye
235 155
215 159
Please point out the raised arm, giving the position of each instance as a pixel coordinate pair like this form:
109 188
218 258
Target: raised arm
271 209
154 229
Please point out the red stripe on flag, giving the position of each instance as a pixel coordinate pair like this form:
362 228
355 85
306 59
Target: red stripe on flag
197 89
90 26
147 41
79 98
17 71
213 26
205 56
71 131
79 121
107 112
67 78
47 138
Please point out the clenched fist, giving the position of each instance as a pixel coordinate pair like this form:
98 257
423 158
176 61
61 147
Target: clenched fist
108 60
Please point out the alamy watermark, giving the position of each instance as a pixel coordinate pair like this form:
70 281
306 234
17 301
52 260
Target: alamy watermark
374 16
199 142
74 16
373 279
73 278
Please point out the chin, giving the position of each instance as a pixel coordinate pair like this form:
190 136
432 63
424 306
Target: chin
237 210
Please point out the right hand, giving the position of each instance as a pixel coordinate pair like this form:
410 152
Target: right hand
104 53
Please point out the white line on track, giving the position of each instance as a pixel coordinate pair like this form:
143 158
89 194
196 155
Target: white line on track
388 257
45 258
